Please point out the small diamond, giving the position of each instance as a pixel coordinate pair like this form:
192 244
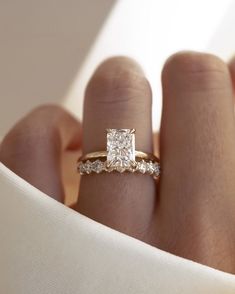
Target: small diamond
120 168
142 166
97 166
81 168
87 167
132 168
150 167
156 169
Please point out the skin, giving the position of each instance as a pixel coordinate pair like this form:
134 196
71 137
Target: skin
190 212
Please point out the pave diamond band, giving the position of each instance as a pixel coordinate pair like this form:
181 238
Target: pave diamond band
120 156
144 167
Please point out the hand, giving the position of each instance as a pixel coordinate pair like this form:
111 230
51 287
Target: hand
192 211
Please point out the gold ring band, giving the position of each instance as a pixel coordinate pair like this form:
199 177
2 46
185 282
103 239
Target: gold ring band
120 156
103 154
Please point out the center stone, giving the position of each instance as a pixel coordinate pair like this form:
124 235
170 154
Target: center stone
120 148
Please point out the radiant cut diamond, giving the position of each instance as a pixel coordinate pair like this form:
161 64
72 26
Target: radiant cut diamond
120 148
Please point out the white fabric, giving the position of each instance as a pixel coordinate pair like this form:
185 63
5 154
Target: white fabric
48 248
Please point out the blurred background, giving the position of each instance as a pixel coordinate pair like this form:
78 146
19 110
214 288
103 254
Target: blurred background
49 48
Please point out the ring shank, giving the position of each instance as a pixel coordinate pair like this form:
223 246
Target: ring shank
103 154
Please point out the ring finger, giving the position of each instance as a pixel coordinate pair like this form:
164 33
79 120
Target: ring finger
118 96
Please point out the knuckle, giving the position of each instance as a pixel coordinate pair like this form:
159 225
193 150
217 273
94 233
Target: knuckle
197 71
43 121
117 80
50 113
38 128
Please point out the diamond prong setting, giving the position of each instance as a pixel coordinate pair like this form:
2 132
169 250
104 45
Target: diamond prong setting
120 156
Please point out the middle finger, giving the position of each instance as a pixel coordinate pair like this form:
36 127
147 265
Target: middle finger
198 160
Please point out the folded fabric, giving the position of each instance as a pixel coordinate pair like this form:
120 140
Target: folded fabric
46 247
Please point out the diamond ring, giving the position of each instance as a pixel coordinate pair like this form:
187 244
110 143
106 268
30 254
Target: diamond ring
120 156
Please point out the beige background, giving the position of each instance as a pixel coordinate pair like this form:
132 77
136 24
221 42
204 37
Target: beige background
42 45
49 48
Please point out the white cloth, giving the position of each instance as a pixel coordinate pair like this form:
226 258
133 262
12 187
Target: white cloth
47 248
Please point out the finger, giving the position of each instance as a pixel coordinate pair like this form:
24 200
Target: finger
33 148
156 144
232 70
198 160
118 96
70 177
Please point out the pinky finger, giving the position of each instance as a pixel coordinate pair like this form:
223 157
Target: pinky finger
33 147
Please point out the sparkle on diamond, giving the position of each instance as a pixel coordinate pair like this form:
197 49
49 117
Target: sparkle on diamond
97 166
120 148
